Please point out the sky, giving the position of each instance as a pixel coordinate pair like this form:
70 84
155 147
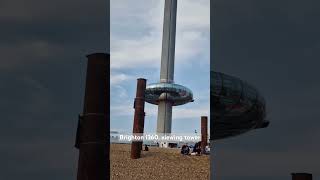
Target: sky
273 45
43 47
136 41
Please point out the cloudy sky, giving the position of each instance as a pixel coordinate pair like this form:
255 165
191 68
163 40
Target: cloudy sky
42 73
275 46
136 41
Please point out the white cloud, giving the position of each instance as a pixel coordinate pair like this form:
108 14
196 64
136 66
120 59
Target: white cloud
118 78
194 14
190 113
122 110
118 93
144 52
144 49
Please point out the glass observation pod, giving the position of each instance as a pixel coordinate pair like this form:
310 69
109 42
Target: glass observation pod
175 93
236 106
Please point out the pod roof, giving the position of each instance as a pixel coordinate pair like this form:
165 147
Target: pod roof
175 93
236 106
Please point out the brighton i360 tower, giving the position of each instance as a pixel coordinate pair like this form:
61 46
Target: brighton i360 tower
167 64
167 94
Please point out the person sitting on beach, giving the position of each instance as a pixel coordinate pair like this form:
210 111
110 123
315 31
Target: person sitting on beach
194 150
185 150
146 147
188 150
197 148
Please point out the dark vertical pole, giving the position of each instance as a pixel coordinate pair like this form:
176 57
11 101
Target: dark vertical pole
138 122
93 134
301 176
204 133
212 47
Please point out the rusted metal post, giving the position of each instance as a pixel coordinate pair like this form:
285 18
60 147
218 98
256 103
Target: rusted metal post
204 133
138 122
301 176
93 134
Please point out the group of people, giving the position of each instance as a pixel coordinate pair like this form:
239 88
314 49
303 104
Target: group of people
196 150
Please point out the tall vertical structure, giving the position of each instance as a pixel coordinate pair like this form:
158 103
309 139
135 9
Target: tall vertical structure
204 133
138 122
301 176
93 130
167 94
168 41
167 64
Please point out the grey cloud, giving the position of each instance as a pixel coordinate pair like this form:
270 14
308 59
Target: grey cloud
43 64
273 45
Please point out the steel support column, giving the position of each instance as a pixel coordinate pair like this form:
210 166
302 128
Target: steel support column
93 134
204 133
138 122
